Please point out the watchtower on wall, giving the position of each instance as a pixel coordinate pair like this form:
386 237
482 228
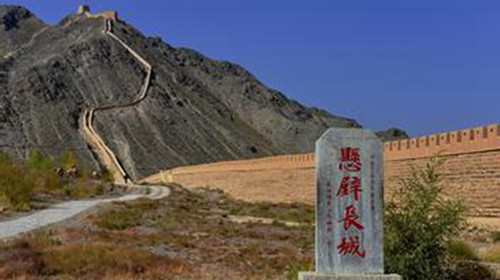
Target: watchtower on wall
108 15
83 9
111 15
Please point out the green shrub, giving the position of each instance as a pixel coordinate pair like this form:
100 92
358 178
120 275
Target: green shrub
69 190
16 186
126 217
68 160
99 189
20 181
116 221
292 270
4 159
466 270
418 224
106 175
495 236
461 250
37 161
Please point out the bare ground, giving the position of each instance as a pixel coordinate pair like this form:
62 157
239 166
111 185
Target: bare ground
192 234
288 185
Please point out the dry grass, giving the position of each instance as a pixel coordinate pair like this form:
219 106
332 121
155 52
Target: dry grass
97 259
23 183
185 236
293 212
123 217
491 254
462 250
287 185
495 236
40 257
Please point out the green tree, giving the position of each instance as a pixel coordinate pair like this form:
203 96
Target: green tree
16 185
38 161
419 224
41 170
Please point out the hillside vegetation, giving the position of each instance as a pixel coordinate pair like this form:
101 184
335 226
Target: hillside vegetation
41 180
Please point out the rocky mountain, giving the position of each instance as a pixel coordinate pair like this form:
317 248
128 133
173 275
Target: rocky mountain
196 110
17 27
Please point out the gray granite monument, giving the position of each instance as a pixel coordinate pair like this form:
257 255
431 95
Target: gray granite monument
349 208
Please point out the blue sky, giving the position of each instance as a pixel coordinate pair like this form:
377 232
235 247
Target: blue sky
425 66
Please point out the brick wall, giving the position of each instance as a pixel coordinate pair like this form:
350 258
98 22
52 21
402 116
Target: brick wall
474 177
485 138
471 170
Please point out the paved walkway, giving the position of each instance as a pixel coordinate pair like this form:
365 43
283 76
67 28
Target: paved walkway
66 210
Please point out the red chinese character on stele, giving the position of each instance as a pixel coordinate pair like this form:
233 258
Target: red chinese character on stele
350 185
351 217
350 159
352 246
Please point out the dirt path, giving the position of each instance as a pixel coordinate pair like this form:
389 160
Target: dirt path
67 210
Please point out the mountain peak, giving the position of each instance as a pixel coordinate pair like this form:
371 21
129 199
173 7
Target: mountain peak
17 26
196 109
12 16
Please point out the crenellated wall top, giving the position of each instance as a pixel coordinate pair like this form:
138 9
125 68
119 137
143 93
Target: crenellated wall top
479 139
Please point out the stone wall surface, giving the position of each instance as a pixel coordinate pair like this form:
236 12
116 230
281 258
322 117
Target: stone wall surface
474 177
471 171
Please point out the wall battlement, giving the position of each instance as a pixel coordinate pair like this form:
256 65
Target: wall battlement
112 15
480 139
275 162
471 170
85 10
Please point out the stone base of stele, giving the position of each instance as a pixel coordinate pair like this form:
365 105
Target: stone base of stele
319 276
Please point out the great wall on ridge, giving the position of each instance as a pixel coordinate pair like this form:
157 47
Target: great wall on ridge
471 170
70 209
106 156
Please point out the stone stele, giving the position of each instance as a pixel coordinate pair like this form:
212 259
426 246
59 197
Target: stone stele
349 208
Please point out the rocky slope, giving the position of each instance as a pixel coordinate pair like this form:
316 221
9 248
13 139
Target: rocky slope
197 109
17 26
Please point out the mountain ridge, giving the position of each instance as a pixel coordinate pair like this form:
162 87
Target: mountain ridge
198 109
